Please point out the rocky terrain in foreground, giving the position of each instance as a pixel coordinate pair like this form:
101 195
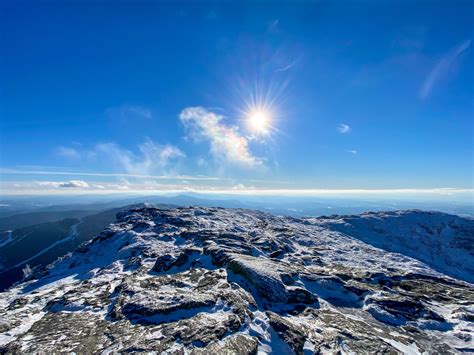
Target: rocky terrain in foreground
221 281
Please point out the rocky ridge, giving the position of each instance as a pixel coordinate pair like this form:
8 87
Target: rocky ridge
210 280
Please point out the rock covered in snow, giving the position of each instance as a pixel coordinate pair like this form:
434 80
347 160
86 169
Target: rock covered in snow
443 241
210 280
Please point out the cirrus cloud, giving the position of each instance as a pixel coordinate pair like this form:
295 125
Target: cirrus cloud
442 68
343 128
68 152
129 112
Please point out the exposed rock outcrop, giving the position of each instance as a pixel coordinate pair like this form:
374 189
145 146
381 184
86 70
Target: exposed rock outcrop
211 280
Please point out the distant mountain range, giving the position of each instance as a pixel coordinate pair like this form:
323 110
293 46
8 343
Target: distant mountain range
279 205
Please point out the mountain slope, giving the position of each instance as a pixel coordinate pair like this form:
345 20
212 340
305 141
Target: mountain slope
443 241
34 245
30 219
211 280
41 244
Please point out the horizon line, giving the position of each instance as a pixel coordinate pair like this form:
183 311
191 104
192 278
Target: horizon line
442 191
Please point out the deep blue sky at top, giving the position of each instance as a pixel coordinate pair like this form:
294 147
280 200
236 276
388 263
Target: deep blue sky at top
398 74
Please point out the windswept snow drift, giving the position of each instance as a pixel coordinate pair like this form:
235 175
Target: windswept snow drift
210 280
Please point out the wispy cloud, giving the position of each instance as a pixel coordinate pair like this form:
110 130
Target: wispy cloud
441 68
273 26
149 159
288 66
151 156
114 175
201 162
343 128
227 145
78 186
67 152
74 185
169 152
64 184
352 151
126 112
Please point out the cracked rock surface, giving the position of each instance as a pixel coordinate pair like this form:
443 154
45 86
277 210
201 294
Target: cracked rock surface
196 280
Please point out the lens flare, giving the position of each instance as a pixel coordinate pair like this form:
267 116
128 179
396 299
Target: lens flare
260 109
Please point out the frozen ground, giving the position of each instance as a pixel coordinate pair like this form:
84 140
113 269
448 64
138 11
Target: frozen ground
211 280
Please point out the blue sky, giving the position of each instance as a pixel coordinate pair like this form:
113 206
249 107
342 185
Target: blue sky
158 96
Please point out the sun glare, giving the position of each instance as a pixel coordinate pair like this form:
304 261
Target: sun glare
259 121
260 111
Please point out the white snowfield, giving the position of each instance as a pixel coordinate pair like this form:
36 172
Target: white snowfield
227 281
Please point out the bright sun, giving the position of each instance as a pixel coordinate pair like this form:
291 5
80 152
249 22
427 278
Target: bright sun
259 121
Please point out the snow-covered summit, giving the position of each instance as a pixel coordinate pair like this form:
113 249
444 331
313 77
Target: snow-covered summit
211 280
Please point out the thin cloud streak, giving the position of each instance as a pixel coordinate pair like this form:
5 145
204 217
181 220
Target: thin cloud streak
317 192
343 128
76 173
241 190
441 68
129 112
138 176
289 66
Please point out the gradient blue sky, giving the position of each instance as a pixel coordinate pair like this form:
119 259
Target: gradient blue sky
153 95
